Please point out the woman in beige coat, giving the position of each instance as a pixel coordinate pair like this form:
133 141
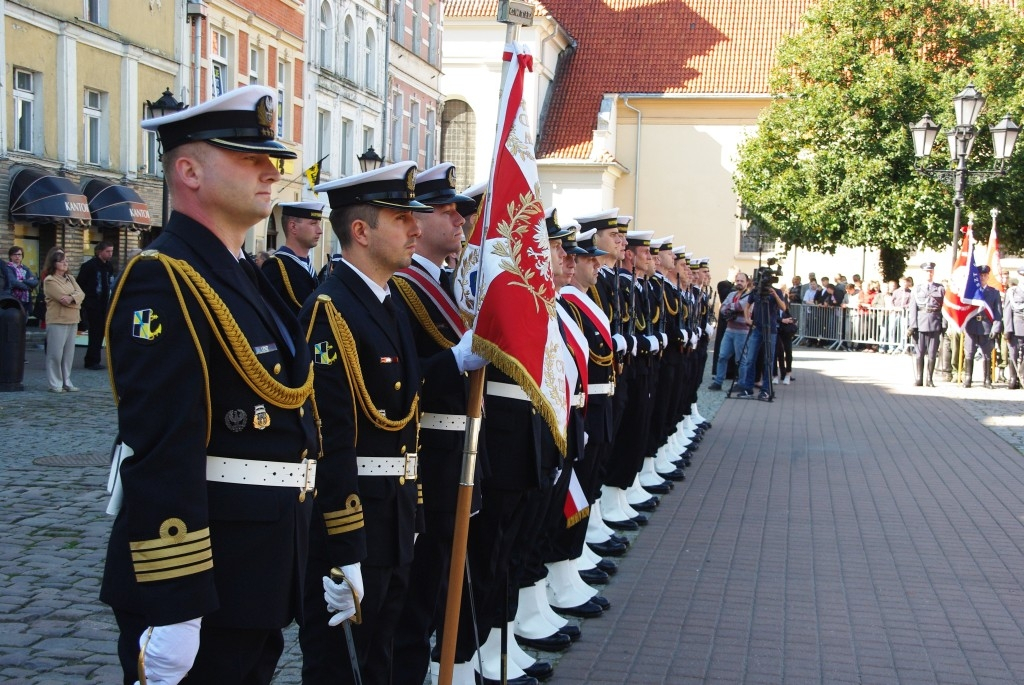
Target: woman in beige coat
63 312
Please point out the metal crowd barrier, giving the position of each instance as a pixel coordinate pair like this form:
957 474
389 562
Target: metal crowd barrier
840 327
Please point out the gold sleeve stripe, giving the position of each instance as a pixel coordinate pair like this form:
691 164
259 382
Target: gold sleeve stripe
173 573
347 528
343 516
142 555
176 540
200 557
419 494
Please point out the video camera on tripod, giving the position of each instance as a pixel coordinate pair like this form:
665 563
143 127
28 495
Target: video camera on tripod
765 277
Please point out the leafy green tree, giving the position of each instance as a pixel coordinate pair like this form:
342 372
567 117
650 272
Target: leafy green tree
832 161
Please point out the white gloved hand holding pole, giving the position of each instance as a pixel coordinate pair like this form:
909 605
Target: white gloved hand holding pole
653 340
620 342
464 356
168 652
343 596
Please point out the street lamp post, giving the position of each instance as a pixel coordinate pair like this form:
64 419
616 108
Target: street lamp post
967 105
165 104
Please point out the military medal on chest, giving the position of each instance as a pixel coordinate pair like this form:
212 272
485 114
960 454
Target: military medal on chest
260 417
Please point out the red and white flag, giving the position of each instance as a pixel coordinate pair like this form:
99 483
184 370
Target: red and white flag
576 505
955 309
503 284
992 260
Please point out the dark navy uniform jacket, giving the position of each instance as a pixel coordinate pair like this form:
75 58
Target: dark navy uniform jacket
290 279
366 385
444 391
182 547
980 323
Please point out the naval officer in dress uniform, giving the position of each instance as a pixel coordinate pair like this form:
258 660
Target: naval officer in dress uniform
925 324
438 329
291 269
367 380
1013 330
212 381
982 330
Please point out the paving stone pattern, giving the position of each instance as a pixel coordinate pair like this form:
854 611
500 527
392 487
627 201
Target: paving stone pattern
856 530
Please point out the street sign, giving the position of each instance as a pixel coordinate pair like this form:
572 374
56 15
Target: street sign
512 12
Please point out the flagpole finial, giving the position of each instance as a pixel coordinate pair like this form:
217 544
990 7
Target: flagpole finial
970 219
994 212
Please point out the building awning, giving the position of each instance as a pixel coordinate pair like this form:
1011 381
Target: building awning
39 198
116 205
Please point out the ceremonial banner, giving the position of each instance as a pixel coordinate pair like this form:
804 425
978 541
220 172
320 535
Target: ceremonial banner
576 505
955 310
993 257
974 293
503 283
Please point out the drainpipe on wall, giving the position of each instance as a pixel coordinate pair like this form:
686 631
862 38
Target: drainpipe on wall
636 165
386 130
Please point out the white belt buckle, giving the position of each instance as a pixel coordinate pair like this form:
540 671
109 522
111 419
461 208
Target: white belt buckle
309 477
411 466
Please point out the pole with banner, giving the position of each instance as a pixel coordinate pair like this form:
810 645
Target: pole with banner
470 290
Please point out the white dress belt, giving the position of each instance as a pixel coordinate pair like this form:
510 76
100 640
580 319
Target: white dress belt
443 422
404 467
601 389
277 474
508 390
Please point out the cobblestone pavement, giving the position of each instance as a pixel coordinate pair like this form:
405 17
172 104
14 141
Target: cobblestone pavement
720 617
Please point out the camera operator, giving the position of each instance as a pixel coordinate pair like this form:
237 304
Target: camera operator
762 310
737 326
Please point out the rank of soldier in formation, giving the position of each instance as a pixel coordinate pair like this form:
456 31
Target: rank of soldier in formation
144 326
260 417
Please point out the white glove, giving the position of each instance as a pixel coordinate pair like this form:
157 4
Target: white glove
709 330
170 651
343 598
620 342
664 340
464 356
586 438
633 345
693 340
685 335
654 343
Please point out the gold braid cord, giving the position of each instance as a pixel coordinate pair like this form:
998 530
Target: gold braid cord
419 310
350 358
598 359
668 306
230 337
287 281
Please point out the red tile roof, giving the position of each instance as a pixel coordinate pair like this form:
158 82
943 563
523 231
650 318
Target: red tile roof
652 46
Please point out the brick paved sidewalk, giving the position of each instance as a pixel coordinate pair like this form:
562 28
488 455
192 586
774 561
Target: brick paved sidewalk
856 530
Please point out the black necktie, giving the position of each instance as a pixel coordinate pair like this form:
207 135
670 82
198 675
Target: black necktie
446 281
389 306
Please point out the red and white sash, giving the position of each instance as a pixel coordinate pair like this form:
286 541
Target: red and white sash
589 309
438 297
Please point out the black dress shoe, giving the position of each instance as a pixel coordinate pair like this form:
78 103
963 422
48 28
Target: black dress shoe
640 520
601 602
608 548
647 505
676 475
594 576
706 425
521 680
555 642
541 670
586 610
571 630
659 489
620 525
621 539
608 566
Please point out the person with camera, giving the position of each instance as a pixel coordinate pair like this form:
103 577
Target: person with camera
737 326
762 310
